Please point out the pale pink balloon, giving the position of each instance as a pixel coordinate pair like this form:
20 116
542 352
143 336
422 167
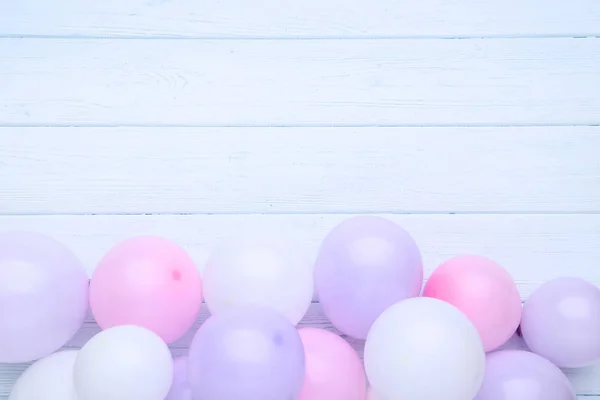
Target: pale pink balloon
333 369
484 291
150 282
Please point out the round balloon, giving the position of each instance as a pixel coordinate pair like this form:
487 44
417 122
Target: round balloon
246 352
561 322
180 388
426 349
262 270
43 296
50 378
126 362
522 375
484 291
333 369
364 265
150 282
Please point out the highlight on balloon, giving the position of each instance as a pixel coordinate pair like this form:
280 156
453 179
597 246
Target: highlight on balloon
464 333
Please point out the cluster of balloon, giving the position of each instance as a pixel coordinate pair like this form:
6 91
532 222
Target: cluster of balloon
450 339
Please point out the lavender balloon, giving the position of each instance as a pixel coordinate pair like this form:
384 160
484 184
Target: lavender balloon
43 296
522 375
180 388
246 353
364 265
561 322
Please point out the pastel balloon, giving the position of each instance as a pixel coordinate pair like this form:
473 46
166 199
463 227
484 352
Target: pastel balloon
364 265
484 291
561 322
246 352
515 342
333 369
426 349
262 270
180 388
50 378
150 282
43 296
522 375
126 362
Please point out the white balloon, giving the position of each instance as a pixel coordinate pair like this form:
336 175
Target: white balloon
265 271
424 349
50 378
124 363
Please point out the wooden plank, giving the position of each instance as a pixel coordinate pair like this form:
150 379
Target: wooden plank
274 170
533 248
308 19
585 381
300 82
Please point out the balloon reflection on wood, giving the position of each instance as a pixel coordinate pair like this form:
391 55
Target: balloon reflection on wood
364 265
43 296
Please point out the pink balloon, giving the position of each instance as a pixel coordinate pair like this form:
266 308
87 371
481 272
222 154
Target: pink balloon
150 282
484 291
333 369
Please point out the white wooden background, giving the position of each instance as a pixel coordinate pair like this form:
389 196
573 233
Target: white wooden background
473 123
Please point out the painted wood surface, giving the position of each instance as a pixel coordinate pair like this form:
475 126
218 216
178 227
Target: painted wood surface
306 19
299 170
300 82
472 123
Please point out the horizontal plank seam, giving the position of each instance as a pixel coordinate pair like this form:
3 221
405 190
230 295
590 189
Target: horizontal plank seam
317 212
587 35
297 125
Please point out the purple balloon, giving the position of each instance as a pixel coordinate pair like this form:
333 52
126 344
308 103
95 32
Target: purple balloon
561 322
43 296
246 353
180 388
364 265
522 375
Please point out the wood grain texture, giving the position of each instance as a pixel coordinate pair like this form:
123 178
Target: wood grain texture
533 248
274 170
309 18
583 379
300 82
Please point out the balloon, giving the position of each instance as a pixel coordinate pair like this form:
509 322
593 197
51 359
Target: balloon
126 362
265 271
364 265
180 388
372 395
150 282
515 342
522 375
333 369
43 296
561 322
50 378
484 291
426 349
246 353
